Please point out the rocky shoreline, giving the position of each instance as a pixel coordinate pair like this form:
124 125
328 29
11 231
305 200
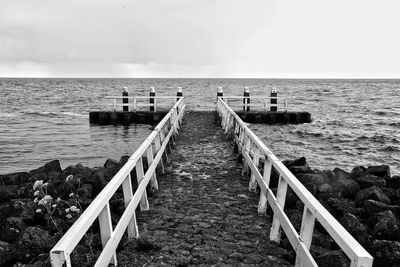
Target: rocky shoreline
38 207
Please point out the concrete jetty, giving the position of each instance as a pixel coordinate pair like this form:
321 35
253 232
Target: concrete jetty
203 212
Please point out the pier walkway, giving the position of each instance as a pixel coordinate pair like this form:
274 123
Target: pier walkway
203 212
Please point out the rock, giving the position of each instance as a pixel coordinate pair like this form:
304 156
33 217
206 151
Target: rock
373 206
300 169
325 188
52 166
374 193
369 180
78 171
295 217
12 229
380 171
375 218
340 174
36 240
8 255
14 178
124 159
357 171
312 180
390 193
8 192
385 253
348 188
86 191
388 228
359 231
111 163
341 206
334 258
253 259
393 182
144 244
297 162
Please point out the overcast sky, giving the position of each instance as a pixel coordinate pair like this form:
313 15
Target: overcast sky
200 38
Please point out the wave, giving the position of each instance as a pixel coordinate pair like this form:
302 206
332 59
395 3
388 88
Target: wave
74 114
8 115
389 149
54 114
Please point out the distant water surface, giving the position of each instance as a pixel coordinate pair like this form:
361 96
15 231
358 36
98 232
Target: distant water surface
355 122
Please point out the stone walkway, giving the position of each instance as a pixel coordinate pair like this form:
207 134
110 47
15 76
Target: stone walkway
203 213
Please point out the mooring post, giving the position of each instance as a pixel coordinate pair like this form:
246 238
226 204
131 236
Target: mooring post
246 99
179 93
152 99
125 99
274 100
220 92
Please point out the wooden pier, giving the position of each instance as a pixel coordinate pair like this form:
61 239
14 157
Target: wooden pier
205 208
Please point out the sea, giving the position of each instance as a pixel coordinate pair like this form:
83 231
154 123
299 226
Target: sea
355 122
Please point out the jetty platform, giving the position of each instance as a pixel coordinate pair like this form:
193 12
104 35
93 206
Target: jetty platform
190 200
203 212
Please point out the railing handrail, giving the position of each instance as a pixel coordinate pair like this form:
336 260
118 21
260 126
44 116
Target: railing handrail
140 97
313 208
60 253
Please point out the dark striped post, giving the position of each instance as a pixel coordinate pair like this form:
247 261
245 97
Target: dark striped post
179 93
246 99
125 99
220 93
152 95
274 100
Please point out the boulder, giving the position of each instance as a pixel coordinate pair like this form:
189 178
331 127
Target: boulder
14 178
357 171
52 166
36 240
358 230
380 171
111 163
334 258
8 255
369 180
324 188
295 217
373 206
375 218
300 169
123 160
388 228
393 182
348 188
341 206
312 180
385 253
78 171
339 174
297 162
374 193
7 192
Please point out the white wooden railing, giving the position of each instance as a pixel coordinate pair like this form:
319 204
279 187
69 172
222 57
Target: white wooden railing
153 148
252 149
263 102
134 101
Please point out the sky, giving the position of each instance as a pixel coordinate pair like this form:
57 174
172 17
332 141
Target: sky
200 38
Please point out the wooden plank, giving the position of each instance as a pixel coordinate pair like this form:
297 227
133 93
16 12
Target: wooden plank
256 159
106 229
144 203
133 231
306 233
153 180
262 204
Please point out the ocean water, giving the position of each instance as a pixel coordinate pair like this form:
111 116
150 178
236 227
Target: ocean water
355 122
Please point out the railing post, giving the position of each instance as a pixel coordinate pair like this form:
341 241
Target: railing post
220 93
306 233
133 231
246 99
158 143
245 168
106 229
115 104
262 204
134 104
286 105
153 180
152 99
281 198
144 203
179 93
274 100
256 159
125 99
